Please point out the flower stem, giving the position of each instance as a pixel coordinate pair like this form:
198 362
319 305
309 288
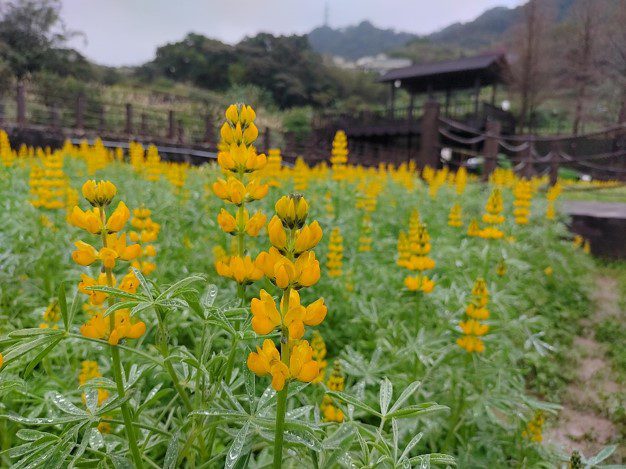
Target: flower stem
281 402
117 365
164 347
126 414
281 407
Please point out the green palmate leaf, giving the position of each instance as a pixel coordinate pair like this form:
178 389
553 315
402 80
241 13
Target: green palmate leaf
602 455
299 412
236 447
7 385
312 443
120 305
62 450
415 410
112 404
180 285
27 434
301 427
91 399
266 398
76 302
116 292
232 399
394 432
408 392
24 347
338 437
43 420
144 283
414 441
32 332
80 450
18 451
191 298
171 455
385 394
100 382
331 459
425 460
64 404
209 295
35 453
40 356
219 413
250 383
139 307
348 399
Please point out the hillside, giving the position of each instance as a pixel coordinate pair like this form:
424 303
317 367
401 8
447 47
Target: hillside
358 41
491 28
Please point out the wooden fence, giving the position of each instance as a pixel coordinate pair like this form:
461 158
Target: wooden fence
41 122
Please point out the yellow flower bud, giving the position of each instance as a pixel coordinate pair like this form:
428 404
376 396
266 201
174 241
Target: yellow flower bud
292 210
232 113
99 194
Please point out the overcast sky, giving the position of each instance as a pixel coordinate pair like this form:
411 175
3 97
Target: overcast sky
127 32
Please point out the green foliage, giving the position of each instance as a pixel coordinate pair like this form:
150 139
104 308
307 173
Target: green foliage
32 37
297 121
412 396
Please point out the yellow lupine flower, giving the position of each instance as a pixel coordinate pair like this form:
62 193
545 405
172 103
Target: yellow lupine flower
266 361
303 272
292 210
301 364
88 220
99 327
241 269
99 194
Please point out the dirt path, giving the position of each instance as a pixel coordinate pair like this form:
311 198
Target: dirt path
583 423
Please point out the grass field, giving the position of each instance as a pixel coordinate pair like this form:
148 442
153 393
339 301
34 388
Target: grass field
417 362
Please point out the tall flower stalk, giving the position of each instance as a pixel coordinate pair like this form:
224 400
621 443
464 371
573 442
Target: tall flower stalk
240 164
118 325
291 265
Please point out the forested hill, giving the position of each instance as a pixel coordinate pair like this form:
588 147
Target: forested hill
491 28
357 41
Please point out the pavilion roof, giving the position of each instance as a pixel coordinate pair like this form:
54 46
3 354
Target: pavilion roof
460 73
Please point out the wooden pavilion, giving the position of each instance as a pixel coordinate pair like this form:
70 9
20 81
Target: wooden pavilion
449 76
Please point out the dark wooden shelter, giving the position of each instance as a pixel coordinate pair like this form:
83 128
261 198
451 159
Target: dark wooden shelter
465 73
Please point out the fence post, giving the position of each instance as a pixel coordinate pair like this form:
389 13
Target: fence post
209 130
80 111
554 162
429 144
170 125
129 119
490 148
54 117
21 104
181 131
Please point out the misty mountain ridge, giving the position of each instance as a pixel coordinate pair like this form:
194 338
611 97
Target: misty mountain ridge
492 27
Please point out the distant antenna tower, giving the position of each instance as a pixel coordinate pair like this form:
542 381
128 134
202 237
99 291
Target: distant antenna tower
326 14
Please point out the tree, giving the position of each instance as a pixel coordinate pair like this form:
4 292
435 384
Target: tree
29 31
530 67
196 59
616 55
582 56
